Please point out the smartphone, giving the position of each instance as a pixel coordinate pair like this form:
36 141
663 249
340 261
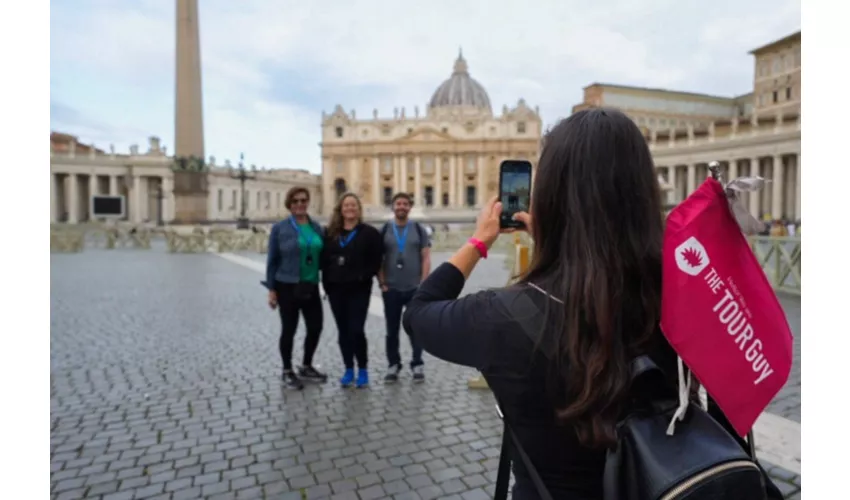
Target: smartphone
514 191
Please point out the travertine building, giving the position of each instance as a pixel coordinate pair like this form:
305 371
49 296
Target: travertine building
78 171
757 133
447 158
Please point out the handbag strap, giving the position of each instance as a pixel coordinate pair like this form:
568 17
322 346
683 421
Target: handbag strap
510 438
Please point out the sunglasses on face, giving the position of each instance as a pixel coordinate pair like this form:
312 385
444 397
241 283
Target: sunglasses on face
300 201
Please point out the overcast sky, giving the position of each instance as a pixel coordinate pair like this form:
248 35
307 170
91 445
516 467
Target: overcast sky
270 67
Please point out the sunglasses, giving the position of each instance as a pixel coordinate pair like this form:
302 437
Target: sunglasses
300 201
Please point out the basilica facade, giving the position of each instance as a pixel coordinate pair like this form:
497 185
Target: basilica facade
447 157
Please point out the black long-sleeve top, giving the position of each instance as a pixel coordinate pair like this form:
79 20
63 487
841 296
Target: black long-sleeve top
496 331
357 262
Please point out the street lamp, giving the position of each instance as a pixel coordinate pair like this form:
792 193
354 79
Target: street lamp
242 175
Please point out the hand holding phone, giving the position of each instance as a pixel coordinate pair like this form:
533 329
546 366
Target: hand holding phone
514 191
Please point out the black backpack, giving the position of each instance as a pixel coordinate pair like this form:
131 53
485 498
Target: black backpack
702 460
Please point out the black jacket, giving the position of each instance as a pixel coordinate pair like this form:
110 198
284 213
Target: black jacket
357 262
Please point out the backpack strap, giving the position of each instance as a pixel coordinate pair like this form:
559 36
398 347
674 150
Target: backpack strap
384 229
510 440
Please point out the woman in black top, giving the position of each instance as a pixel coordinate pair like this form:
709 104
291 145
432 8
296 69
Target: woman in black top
555 348
351 258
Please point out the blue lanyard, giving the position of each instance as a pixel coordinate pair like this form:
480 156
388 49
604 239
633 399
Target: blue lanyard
307 240
401 240
347 240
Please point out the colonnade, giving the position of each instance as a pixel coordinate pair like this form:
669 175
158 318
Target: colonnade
70 196
780 199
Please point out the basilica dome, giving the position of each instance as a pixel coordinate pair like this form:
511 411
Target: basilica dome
461 90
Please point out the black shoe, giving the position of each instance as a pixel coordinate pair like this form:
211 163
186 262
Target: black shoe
392 374
311 374
292 380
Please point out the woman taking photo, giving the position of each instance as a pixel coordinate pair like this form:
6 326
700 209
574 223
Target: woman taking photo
555 348
350 260
292 278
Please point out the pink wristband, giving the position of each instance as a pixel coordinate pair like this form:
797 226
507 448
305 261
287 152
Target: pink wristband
482 248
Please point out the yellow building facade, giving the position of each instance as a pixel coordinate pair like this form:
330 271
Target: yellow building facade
447 157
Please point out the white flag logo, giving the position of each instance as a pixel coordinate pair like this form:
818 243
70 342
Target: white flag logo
691 257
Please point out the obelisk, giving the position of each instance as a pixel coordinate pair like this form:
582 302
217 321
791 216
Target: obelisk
190 178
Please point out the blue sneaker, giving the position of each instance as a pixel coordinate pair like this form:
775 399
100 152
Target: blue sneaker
348 378
362 378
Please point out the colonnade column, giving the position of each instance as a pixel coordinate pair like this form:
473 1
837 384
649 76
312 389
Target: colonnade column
672 195
755 170
396 175
92 192
733 170
136 204
113 185
376 181
73 200
692 184
776 207
168 199
797 204
54 199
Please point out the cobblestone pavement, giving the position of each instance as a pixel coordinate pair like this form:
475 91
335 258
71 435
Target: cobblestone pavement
165 384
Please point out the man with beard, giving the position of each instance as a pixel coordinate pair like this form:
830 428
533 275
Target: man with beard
407 261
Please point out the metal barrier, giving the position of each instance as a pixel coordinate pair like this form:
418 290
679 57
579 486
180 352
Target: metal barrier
779 257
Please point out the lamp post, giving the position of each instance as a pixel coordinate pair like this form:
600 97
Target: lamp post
242 175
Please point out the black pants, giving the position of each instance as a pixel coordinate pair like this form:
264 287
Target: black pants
394 303
350 306
291 300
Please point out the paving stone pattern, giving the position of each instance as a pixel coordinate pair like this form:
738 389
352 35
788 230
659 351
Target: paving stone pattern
165 384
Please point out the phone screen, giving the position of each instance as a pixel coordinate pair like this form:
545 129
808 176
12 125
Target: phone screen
514 190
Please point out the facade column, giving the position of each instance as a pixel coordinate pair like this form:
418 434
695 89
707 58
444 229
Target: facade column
73 199
692 184
452 181
672 195
777 187
797 205
403 179
461 181
354 173
417 181
136 205
113 185
480 196
396 174
376 181
438 181
755 171
168 199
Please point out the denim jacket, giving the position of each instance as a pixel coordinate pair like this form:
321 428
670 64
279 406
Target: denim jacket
282 262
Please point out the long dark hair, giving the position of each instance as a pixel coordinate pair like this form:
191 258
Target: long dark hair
598 233
335 224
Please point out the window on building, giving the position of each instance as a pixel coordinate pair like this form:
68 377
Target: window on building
234 200
388 196
339 131
268 200
445 130
470 196
520 128
470 164
247 197
777 64
220 200
388 165
787 93
429 196
339 186
775 96
340 167
258 200
445 199
277 202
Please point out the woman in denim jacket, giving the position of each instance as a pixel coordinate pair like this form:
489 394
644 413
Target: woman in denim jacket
292 278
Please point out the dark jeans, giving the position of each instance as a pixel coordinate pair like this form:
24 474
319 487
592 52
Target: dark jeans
289 304
350 306
394 303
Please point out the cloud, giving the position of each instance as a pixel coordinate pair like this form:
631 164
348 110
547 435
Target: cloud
270 67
